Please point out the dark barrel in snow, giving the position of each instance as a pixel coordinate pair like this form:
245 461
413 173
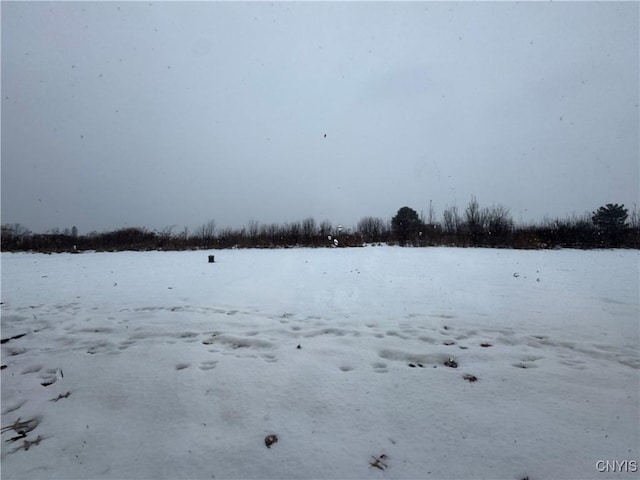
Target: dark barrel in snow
211 259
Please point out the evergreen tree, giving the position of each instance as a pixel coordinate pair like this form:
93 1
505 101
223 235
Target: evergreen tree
610 220
406 225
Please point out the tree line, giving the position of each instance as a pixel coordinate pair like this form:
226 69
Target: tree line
609 226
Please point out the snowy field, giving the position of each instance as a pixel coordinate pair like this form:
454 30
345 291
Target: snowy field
378 362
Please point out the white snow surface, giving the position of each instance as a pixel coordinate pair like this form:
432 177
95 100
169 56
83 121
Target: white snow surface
162 365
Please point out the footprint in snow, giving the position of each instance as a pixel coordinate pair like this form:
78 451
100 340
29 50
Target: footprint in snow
51 376
32 369
208 365
379 367
527 362
268 357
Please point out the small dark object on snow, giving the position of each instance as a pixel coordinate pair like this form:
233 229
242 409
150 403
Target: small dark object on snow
298 347
516 275
212 259
3 367
470 378
412 365
451 363
20 436
61 396
270 440
486 344
27 444
22 427
15 337
378 462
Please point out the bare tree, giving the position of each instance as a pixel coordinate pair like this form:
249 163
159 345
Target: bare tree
165 236
372 229
472 213
634 217
432 213
205 233
498 223
254 228
228 237
294 231
309 229
271 232
475 219
167 232
451 219
19 230
325 228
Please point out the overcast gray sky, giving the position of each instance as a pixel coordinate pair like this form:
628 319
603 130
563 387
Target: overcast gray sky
156 114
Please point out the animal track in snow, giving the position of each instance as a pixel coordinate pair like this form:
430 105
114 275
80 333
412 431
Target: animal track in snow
32 369
189 337
379 367
426 339
50 376
442 315
12 407
394 333
527 362
268 357
326 331
208 365
236 342
101 347
13 352
573 363
414 358
126 344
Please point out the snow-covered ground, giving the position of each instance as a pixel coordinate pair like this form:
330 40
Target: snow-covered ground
161 365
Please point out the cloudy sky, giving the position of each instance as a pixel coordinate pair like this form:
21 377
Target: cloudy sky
157 114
